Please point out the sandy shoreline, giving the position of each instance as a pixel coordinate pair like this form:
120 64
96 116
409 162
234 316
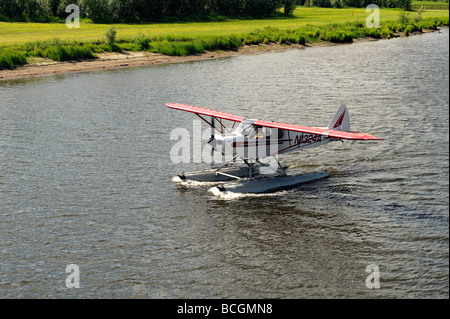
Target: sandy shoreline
110 61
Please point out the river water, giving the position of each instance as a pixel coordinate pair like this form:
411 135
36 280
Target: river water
86 179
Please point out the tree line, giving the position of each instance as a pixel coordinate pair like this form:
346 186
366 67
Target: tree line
403 4
140 10
153 10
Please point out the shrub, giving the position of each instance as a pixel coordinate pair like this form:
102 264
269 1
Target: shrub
373 33
338 37
417 18
228 43
251 39
408 29
127 46
404 18
223 43
445 21
387 33
98 48
283 39
394 27
11 59
111 35
301 40
68 53
178 48
143 42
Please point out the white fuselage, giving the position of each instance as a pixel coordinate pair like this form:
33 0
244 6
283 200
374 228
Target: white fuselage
252 142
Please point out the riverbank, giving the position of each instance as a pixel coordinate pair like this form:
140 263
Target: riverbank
47 44
111 61
16 33
114 60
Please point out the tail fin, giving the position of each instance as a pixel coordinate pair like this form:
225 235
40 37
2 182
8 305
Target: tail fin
341 120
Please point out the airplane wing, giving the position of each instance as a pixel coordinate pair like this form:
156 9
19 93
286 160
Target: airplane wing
318 131
203 111
282 126
289 137
293 137
199 111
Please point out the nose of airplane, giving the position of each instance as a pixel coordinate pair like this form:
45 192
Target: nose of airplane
215 141
212 141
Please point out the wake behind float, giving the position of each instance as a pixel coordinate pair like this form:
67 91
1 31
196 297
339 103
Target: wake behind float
254 140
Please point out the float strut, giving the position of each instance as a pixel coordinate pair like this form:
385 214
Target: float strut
282 169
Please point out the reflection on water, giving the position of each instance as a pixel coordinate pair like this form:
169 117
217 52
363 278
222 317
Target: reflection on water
86 178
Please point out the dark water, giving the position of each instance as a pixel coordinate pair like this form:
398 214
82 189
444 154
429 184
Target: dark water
85 179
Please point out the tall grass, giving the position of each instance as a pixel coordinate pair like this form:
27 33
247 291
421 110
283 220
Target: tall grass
182 45
58 50
334 33
11 59
143 42
68 53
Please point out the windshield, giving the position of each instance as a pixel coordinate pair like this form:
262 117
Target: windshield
246 128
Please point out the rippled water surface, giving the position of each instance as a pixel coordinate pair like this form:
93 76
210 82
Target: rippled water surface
85 178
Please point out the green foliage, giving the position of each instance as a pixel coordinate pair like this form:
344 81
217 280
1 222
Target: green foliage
289 6
109 11
99 11
404 4
111 36
180 45
11 59
338 37
301 40
373 33
408 30
418 17
404 18
143 42
68 53
252 8
283 39
387 33
58 50
178 48
225 43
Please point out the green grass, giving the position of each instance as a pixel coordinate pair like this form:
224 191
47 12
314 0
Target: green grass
430 5
13 33
11 59
68 53
309 25
58 50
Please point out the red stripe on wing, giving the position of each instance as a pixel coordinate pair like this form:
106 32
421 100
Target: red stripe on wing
203 111
318 131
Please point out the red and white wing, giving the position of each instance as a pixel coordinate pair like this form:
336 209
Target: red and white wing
296 137
318 131
200 112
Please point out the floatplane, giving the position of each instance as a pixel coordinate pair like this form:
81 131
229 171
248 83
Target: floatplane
249 141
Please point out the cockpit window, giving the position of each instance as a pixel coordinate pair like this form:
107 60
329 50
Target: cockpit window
247 129
263 132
